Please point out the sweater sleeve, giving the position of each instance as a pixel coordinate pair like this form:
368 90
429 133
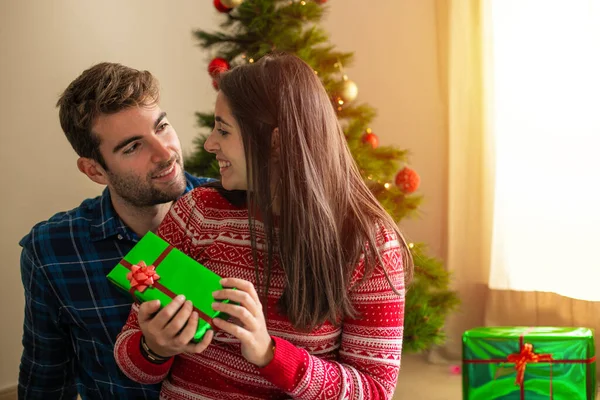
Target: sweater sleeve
371 345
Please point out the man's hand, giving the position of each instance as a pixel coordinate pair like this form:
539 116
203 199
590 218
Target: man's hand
171 330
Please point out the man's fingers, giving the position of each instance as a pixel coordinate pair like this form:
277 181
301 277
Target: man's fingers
176 324
147 310
164 316
187 334
202 345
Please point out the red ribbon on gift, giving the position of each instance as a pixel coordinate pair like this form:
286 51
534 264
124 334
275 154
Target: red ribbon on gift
136 272
524 356
527 355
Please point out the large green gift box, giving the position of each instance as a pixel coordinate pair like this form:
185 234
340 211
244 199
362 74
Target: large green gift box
529 363
154 269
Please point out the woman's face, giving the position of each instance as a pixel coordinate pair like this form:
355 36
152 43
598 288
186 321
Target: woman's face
225 141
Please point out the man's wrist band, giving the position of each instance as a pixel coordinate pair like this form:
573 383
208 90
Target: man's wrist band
150 355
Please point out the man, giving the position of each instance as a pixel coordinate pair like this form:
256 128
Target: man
111 117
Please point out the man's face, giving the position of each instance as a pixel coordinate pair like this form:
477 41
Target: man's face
142 154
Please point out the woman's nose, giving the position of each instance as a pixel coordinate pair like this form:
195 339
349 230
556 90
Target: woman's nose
210 144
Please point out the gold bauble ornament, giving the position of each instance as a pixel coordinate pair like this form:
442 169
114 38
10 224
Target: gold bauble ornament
349 91
231 3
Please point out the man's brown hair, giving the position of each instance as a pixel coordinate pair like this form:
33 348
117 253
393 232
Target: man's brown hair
105 88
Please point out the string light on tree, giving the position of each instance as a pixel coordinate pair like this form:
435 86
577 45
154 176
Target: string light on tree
407 180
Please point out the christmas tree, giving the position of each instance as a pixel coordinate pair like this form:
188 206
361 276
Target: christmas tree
252 28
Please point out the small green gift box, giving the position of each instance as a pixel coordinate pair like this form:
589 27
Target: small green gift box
154 269
529 363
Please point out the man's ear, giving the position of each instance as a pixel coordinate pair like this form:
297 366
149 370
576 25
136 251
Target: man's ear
92 169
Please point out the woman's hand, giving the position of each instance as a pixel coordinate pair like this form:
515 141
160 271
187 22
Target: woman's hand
171 330
251 328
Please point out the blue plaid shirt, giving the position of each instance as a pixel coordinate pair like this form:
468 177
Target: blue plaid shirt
72 313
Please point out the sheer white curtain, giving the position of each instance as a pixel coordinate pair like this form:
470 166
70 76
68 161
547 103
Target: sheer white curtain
462 42
545 121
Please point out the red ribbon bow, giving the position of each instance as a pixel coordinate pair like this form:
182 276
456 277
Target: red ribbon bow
526 355
142 276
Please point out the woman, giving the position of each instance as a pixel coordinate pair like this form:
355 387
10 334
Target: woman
318 265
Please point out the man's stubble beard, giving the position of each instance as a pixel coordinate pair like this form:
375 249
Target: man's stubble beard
146 194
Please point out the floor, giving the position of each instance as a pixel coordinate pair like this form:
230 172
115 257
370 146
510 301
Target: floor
420 379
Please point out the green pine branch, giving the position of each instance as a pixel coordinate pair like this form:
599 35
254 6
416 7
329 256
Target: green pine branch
428 303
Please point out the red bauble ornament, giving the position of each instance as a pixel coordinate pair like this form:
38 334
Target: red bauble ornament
321 1
220 7
408 180
371 139
215 84
217 66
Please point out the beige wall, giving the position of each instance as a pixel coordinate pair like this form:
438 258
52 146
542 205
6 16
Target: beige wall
44 45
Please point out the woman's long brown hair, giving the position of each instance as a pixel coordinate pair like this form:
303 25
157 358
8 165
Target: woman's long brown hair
328 217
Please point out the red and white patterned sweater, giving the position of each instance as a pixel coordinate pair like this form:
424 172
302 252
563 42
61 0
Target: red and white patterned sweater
358 360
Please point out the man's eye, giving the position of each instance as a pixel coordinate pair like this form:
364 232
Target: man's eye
131 149
162 126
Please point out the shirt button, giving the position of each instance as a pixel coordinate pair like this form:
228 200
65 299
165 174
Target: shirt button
120 237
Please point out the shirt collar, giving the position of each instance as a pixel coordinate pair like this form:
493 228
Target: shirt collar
106 222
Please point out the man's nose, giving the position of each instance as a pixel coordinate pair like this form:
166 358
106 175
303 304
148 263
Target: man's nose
160 151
